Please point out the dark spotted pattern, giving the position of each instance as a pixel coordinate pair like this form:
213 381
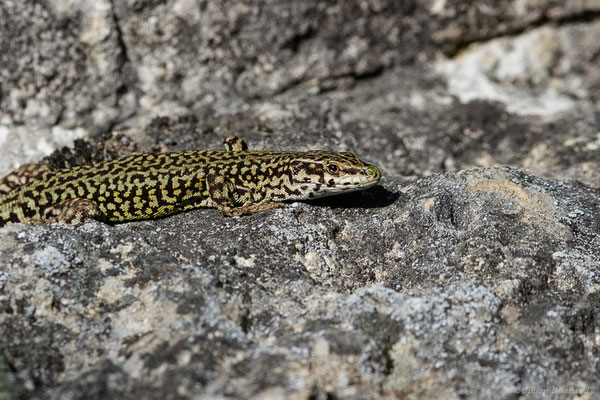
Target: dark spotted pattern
235 181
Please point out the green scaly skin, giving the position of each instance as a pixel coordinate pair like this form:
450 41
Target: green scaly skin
145 186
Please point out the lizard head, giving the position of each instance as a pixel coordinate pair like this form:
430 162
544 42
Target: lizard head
322 173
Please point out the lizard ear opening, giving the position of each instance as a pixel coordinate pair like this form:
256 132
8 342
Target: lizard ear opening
295 167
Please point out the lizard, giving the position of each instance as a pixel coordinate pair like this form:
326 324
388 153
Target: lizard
236 181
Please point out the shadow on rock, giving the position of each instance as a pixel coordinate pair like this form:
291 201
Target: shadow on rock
375 197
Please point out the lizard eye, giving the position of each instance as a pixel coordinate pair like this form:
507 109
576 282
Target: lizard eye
333 169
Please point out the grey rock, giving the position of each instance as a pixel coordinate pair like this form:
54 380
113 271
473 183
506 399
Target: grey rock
60 67
481 278
454 278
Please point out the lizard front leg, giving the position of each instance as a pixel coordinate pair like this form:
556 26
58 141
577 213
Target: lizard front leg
251 208
235 201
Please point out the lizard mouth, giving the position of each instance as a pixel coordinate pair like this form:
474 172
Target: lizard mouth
366 178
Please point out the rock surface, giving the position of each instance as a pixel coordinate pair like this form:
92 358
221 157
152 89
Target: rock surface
455 278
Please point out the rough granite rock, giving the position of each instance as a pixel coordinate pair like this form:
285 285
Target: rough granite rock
475 284
456 277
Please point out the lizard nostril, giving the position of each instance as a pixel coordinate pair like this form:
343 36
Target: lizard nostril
373 171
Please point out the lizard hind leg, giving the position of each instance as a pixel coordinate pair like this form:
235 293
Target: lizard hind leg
234 143
21 176
73 211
